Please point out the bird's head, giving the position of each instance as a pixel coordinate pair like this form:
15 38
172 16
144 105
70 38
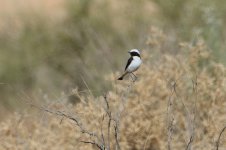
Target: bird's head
134 52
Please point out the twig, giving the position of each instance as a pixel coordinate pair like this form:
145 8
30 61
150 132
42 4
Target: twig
218 140
109 130
102 134
90 92
107 110
116 126
170 120
194 84
190 142
93 143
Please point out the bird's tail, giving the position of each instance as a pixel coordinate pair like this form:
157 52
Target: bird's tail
121 78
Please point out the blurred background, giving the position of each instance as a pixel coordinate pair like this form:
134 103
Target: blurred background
49 47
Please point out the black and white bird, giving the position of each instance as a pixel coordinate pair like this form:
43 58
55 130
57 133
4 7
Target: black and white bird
133 63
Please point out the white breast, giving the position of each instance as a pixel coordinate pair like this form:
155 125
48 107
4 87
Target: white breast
135 64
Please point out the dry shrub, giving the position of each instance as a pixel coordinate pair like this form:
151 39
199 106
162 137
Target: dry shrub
175 99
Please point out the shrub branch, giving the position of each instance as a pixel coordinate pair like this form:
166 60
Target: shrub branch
219 137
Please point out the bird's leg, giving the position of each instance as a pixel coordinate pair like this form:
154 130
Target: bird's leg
131 77
135 77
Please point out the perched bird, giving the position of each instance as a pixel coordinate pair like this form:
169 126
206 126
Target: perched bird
133 63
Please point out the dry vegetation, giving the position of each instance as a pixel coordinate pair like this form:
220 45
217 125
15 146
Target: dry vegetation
177 103
49 47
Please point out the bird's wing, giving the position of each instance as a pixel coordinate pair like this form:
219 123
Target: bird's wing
129 62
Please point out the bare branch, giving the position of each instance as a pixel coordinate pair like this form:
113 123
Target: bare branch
219 137
191 120
108 112
106 101
190 142
115 118
62 114
194 86
109 130
102 134
170 119
116 127
93 143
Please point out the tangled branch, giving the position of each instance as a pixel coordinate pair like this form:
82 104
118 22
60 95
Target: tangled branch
74 119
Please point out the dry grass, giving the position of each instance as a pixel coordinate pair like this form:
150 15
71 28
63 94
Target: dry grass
177 99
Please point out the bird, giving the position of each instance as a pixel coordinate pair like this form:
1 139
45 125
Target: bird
133 63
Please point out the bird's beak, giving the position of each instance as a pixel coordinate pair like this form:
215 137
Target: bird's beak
128 51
